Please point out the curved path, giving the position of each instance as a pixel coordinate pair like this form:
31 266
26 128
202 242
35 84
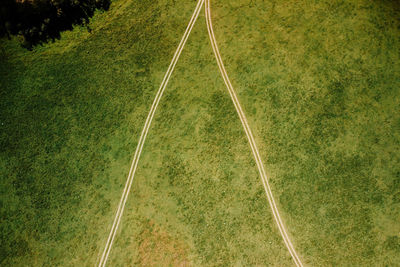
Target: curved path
143 136
250 137
243 120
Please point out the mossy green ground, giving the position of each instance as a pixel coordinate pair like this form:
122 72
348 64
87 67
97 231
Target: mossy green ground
319 82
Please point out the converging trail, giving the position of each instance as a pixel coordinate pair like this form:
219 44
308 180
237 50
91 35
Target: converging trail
250 137
143 136
243 120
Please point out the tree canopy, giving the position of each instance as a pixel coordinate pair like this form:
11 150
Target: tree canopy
39 21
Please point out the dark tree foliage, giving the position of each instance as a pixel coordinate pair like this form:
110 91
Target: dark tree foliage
39 21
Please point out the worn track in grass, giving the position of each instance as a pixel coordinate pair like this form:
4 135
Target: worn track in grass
143 136
243 120
250 137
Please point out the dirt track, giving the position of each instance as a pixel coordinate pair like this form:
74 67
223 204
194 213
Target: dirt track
250 137
142 139
243 120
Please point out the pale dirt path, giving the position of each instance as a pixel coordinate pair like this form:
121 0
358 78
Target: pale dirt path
143 136
250 137
243 120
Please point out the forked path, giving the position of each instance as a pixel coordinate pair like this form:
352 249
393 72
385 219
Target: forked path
250 137
142 139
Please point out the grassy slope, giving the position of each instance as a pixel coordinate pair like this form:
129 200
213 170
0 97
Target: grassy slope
318 83
71 114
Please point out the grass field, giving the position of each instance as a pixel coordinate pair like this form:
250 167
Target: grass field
319 82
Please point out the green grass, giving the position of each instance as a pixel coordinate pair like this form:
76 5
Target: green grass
319 83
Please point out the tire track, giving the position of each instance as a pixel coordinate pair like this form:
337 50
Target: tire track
143 136
250 138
